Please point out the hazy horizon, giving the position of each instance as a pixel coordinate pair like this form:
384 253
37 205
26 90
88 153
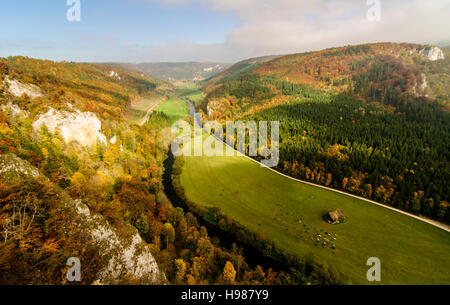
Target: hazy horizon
225 31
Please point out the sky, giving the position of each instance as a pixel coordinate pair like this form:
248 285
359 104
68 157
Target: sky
211 30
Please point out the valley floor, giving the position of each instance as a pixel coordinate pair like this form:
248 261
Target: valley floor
291 214
141 109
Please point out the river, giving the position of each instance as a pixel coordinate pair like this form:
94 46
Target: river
253 256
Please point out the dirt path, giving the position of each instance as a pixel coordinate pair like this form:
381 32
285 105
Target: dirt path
149 111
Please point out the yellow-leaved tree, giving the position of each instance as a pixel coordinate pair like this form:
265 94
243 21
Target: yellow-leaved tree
180 266
229 274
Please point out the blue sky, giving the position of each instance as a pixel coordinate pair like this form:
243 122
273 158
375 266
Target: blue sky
209 30
107 28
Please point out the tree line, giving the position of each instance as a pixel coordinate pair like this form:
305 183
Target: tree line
398 157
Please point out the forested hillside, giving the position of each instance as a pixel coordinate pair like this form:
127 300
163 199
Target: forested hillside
177 71
385 72
372 120
75 103
96 88
238 69
399 158
78 180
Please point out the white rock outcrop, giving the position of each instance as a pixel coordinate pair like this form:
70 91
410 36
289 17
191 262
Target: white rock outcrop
115 75
18 89
14 110
83 127
424 84
128 256
432 53
209 111
113 140
11 165
124 255
213 68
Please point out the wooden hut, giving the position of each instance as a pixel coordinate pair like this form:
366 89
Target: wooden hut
335 217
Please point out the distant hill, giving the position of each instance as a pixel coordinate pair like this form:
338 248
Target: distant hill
102 89
239 69
181 71
384 72
370 119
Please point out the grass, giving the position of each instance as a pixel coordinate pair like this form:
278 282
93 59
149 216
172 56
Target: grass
185 85
291 214
195 96
139 108
176 108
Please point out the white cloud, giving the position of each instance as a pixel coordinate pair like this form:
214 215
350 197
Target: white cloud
289 26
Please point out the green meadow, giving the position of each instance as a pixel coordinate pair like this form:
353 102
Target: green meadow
176 108
195 96
139 108
291 214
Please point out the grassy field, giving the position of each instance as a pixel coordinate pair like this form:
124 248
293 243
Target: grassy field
175 108
185 85
195 96
139 108
291 214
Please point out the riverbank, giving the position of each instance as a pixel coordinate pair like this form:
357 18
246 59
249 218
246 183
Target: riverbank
290 213
254 256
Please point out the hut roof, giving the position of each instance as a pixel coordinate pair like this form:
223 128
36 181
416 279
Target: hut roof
336 215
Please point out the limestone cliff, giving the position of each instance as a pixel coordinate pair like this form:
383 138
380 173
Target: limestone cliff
432 53
18 89
83 127
124 254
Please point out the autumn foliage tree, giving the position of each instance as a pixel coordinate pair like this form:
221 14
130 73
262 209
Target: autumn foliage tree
229 274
